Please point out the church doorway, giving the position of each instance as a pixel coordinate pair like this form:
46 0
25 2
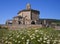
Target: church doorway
32 22
19 22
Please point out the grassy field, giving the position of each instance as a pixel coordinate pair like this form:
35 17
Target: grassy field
30 36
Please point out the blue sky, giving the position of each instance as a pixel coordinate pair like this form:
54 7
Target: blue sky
48 8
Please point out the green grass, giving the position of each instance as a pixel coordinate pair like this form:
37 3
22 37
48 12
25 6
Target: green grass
30 36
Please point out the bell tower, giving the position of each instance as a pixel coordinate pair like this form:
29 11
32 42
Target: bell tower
28 6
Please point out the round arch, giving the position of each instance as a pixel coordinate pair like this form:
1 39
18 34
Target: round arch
33 22
19 22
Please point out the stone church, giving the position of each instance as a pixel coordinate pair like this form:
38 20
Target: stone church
25 16
30 16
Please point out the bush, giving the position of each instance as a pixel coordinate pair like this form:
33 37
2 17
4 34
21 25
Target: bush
2 27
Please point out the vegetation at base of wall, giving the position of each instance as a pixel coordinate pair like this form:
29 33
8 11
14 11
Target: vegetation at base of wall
3 27
31 36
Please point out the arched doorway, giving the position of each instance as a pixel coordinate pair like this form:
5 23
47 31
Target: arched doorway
19 22
32 22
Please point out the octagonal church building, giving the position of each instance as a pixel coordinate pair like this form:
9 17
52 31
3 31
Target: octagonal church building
25 16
